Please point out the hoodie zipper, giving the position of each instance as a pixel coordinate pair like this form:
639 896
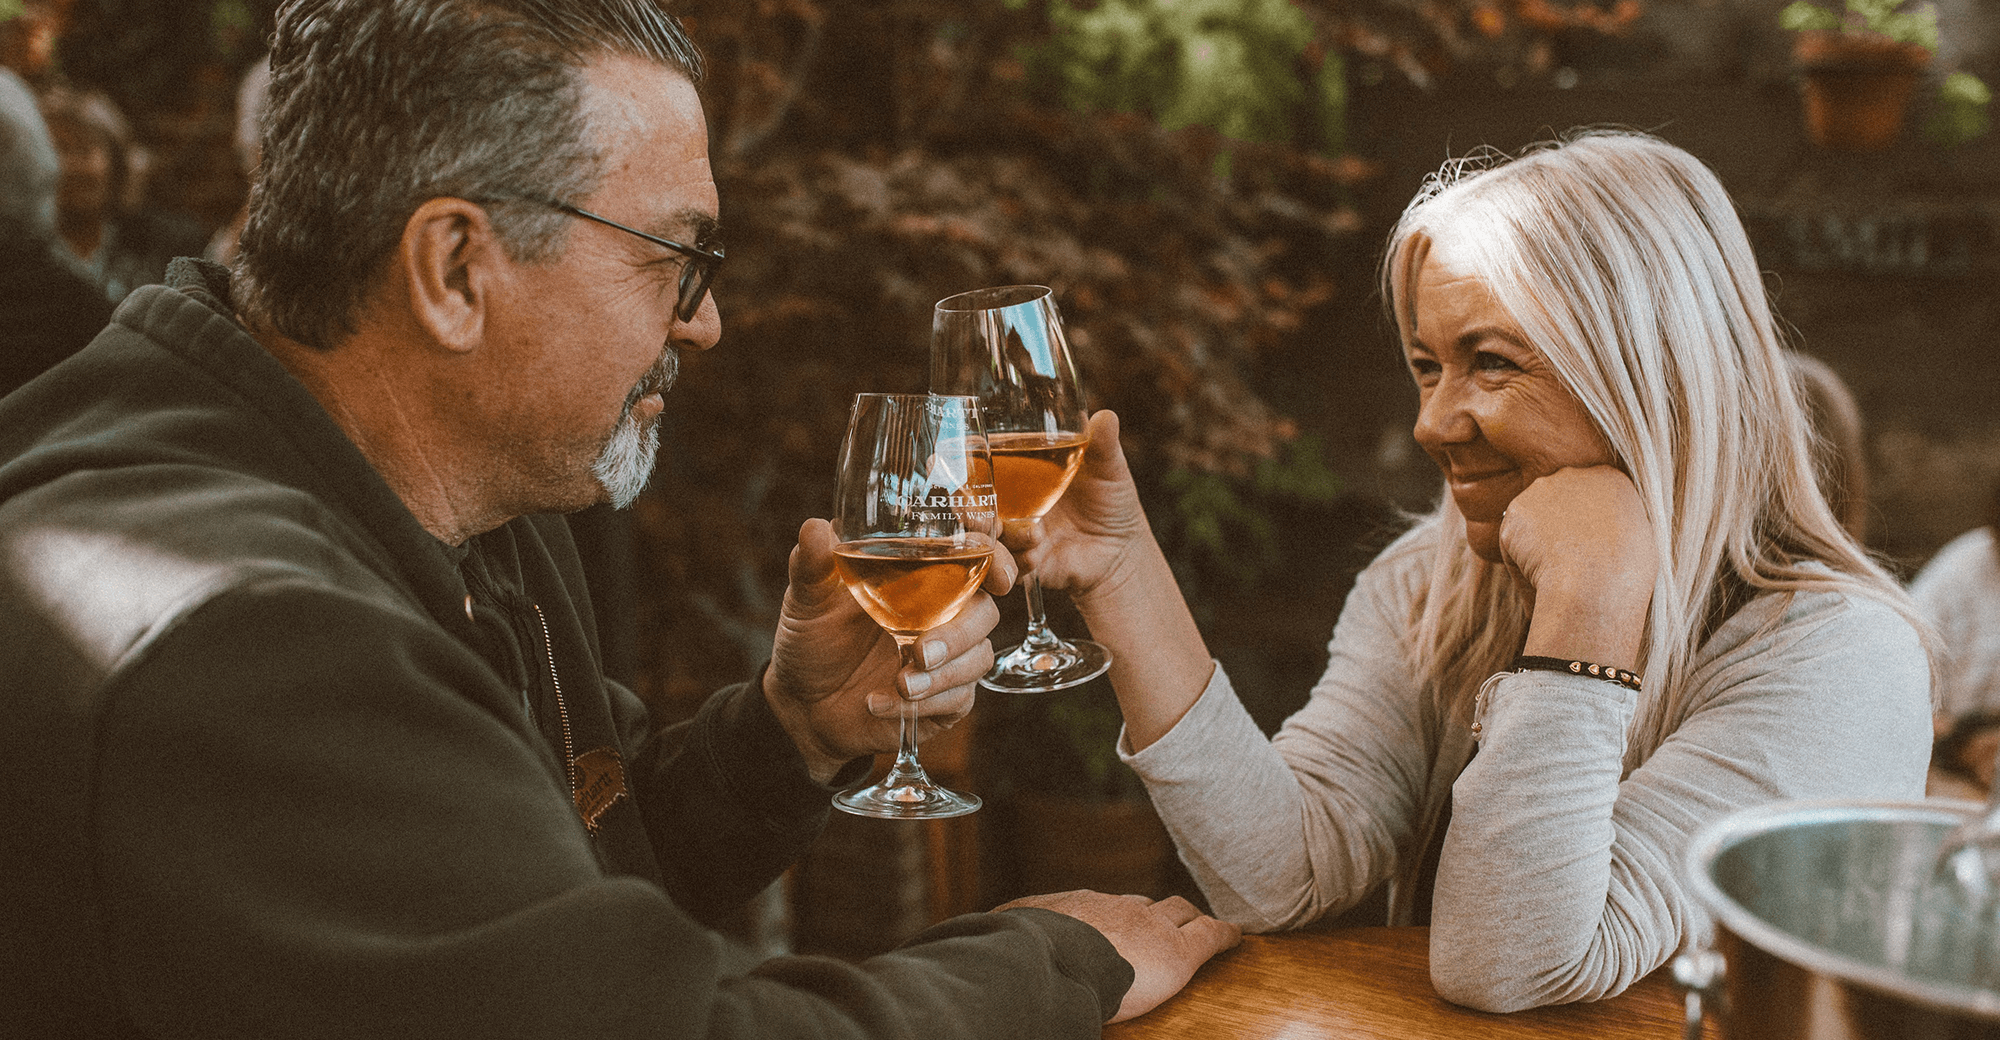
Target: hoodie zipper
562 706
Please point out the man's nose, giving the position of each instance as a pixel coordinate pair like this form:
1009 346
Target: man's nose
702 331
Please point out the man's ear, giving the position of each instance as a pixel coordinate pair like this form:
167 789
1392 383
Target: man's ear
447 256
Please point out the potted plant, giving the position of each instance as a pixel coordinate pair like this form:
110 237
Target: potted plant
1861 66
1961 110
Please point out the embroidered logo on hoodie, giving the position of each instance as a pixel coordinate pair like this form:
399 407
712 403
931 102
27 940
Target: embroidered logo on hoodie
600 782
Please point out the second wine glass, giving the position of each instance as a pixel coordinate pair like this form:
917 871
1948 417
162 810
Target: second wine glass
915 517
1006 346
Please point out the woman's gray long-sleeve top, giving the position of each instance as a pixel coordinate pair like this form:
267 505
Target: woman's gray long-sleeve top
1559 877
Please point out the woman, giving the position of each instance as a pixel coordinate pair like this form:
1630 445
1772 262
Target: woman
1630 485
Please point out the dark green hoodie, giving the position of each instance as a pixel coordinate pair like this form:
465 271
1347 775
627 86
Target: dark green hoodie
278 763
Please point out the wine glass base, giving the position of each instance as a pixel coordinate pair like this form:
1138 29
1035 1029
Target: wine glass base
1045 670
905 801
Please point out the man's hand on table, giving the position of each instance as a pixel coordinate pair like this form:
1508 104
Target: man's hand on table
1164 941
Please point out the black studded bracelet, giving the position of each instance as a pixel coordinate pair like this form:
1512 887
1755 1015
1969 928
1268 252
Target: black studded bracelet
1526 663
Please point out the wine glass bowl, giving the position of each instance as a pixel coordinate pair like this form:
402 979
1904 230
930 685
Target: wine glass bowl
915 519
911 585
1006 347
1031 470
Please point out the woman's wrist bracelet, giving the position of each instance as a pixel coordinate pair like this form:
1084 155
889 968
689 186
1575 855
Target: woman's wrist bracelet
1526 663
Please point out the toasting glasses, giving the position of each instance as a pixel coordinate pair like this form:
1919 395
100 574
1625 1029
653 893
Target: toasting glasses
1006 347
914 513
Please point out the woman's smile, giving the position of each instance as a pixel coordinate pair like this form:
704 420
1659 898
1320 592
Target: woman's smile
1483 495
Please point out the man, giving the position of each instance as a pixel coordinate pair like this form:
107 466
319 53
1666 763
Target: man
305 731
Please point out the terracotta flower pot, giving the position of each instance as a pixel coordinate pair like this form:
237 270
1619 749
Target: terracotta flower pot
1857 88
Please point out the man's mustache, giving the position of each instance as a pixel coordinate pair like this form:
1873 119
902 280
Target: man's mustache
657 380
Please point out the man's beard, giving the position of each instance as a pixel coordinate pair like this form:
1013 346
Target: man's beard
626 462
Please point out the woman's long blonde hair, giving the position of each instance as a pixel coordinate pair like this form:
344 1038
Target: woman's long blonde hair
1623 261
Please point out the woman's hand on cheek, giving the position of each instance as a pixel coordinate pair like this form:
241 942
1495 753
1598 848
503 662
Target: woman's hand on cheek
1581 538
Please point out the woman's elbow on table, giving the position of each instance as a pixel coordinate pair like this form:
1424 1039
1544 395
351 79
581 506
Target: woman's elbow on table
1503 977
1228 904
1481 991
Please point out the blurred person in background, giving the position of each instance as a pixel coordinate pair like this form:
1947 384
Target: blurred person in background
1631 613
1958 589
250 93
1840 443
307 728
99 198
28 39
49 308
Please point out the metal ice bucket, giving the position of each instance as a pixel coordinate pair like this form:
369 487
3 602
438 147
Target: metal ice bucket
1814 907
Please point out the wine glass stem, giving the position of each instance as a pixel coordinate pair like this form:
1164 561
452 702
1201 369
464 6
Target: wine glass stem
1038 636
906 771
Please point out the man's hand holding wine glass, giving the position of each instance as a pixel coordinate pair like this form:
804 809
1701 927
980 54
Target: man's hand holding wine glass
834 672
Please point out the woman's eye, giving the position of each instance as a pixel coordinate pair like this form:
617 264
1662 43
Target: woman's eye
1423 367
1489 361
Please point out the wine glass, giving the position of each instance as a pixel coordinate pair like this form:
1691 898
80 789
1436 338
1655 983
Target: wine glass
914 515
1005 346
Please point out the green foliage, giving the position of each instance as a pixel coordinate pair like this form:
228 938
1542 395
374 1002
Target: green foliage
1895 19
11 9
1299 473
1960 116
1331 85
230 21
1089 723
1223 524
1234 66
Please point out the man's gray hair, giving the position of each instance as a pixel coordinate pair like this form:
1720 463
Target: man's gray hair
376 106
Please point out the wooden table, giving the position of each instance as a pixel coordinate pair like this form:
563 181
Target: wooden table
1375 984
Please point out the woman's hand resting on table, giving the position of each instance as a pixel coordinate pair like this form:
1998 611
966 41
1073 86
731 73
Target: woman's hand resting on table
1581 539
